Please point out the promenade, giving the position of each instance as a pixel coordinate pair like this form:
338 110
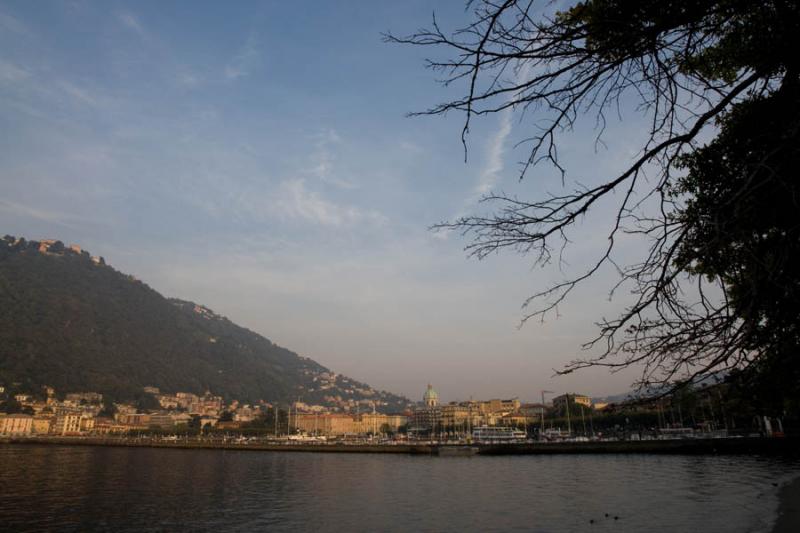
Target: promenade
744 445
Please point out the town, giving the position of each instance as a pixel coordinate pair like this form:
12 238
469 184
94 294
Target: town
566 416
86 413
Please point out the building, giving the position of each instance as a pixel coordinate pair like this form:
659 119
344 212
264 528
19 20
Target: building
161 421
337 425
431 397
428 417
16 424
376 423
324 424
168 401
456 415
105 425
42 424
245 413
499 406
133 420
186 399
85 397
73 424
561 401
519 420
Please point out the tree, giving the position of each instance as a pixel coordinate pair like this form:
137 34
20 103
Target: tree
146 402
109 408
716 288
195 425
10 406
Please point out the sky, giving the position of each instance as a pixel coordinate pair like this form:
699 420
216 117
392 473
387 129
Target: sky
257 158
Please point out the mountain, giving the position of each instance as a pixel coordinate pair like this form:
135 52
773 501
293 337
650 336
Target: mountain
70 321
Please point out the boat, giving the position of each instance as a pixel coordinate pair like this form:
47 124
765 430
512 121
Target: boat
497 435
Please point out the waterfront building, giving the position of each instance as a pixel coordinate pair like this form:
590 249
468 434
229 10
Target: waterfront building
42 424
336 424
375 422
16 424
72 423
104 425
455 415
161 420
323 424
133 420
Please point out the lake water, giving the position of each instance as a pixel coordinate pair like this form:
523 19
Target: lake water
139 489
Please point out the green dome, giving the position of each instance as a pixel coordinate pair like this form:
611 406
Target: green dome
430 396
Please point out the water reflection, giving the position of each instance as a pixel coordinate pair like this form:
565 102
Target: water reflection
83 488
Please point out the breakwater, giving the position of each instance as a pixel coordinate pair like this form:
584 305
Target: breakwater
750 446
414 449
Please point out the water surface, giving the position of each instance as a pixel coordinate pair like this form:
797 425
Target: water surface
139 489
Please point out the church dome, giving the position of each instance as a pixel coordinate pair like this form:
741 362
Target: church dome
431 397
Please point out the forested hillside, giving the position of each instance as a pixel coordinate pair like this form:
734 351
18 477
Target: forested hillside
72 322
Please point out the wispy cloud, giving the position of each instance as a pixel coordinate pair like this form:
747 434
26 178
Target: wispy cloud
297 201
490 173
22 210
494 155
131 21
187 78
12 25
245 60
82 94
11 73
323 160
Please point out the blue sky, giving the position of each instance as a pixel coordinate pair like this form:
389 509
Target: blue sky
255 157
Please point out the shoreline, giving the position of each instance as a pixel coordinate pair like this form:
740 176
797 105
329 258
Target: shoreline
788 518
729 446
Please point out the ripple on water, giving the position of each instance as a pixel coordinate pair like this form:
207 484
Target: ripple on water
132 489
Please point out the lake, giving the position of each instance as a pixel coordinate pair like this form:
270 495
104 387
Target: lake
142 489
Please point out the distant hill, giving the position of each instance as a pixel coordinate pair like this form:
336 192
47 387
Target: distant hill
70 321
